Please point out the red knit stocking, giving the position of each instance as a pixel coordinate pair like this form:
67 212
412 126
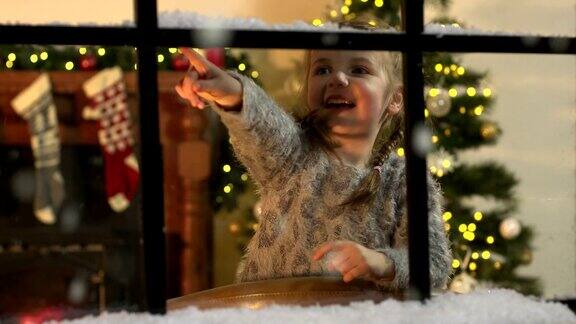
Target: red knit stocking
107 93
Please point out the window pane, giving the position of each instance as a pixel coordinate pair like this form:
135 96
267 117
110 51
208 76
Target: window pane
107 12
260 13
505 157
70 228
276 215
517 17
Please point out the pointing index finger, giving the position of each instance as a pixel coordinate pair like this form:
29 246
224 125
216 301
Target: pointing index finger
196 60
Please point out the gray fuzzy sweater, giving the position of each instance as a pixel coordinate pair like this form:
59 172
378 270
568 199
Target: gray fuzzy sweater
301 188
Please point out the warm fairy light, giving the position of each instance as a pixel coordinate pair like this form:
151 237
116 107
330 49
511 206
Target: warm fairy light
378 3
446 163
434 92
226 168
462 110
135 66
234 228
469 236
244 177
460 70
456 25
440 173
490 239
348 2
433 169
455 263
241 66
11 57
434 138
160 58
254 74
497 265
471 227
43 56
446 216
33 58
400 151
487 92
453 67
438 67
317 22
446 70
9 64
475 255
452 92
172 50
478 110
227 189
345 10
472 266
333 13
372 23
101 51
486 255
426 113
471 91
446 227
462 228
364 0
82 50
478 216
69 65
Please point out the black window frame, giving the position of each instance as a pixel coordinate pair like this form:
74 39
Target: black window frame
146 36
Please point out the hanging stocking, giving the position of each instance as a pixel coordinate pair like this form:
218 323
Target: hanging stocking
107 94
35 104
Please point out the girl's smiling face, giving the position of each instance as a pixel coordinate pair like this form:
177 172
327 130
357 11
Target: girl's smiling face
352 85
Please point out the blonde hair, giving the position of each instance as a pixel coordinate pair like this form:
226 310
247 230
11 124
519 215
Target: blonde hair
389 137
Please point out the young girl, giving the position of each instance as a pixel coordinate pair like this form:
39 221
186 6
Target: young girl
333 195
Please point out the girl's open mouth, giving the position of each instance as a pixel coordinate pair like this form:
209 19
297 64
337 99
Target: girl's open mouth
334 102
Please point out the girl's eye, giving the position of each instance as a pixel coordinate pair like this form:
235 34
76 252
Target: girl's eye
360 70
321 70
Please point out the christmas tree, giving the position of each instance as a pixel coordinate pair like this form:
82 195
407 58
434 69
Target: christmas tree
488 245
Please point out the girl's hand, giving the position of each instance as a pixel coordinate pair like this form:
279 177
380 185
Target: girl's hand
353 261
207 82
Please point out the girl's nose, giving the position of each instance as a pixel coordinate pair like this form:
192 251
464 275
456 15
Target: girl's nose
338 79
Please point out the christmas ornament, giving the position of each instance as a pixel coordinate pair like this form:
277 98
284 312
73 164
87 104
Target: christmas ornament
439 104
510 228
179 62
87 62
36 105
107 93
216 56
463 283
487 130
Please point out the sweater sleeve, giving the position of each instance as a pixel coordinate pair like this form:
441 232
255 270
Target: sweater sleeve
265 138
440 254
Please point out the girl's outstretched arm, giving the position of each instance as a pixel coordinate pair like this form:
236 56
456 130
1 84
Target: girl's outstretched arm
265 138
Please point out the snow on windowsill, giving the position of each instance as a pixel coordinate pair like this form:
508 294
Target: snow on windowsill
486 306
